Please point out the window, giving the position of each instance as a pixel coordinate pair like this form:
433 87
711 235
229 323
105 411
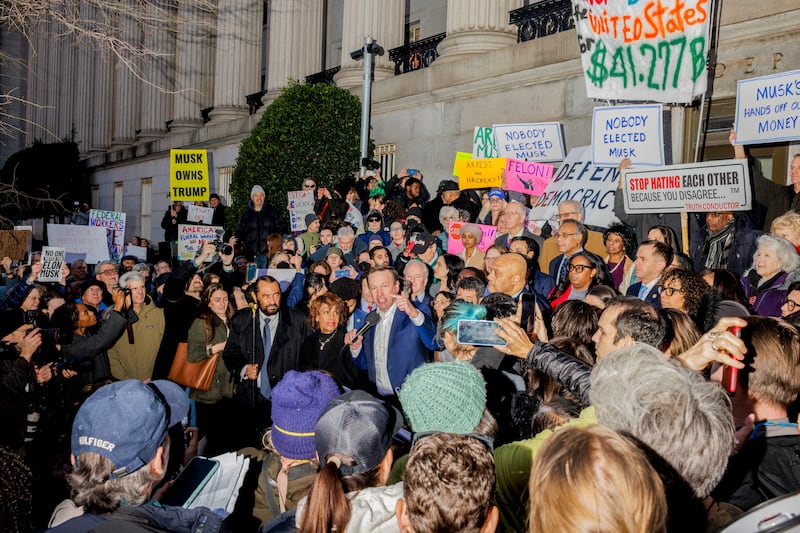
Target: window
384 153
146 214
118 196
412 32
95 197
224 175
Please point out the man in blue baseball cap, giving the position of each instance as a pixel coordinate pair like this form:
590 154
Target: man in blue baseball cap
119 453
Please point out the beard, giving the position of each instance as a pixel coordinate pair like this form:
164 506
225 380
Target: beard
269 310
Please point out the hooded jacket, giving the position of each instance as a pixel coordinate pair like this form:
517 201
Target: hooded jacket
254 226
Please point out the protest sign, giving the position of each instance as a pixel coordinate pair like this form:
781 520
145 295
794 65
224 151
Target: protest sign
14 244
52 259
768 108
284 276
140 252
191 237
654 50
483 145
697 187
480 173
29 229
301 203
454 244
579 179
114 223
460 156
189 175
199 214
627 131
532 142
89 240
527 177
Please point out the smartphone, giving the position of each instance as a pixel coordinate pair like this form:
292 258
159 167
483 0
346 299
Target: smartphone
343 273
190 482
411 171
252 272
730 375
479 333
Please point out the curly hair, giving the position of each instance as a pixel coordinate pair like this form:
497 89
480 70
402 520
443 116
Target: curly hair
334 302
627 235
693 288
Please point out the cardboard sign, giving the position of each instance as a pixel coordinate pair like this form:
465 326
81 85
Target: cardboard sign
301 203
189 175
651 50
627 131
114 223
527 177
14 244
483 145
460 156
52 259
191 237
579 179
480 173
768 108
531 142
199 214
89 240
29 229
454 244
697 187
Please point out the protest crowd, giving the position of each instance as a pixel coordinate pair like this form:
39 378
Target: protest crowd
414 360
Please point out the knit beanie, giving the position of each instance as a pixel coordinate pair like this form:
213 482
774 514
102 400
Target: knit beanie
257 189
448 397
298 401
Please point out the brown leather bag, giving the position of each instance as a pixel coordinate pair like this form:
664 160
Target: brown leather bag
198 375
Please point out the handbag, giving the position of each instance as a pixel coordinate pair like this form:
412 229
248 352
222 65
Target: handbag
199 375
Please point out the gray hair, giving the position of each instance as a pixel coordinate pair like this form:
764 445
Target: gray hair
514 203
445 211
99 266
345 231
784 250
674 410
576 206
92 488
420 264
141 267
474 229
127 277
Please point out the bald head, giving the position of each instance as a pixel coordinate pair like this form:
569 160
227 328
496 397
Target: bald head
508 274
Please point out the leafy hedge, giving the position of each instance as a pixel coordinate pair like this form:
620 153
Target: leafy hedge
311 130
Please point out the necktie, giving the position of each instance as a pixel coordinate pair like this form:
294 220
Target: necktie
642 291
266 390
562 271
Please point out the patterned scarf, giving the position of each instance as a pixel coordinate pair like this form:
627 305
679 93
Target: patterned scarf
717 246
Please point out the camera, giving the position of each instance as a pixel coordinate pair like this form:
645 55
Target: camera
222 247
370 164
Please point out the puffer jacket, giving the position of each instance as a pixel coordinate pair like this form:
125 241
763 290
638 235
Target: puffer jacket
254 226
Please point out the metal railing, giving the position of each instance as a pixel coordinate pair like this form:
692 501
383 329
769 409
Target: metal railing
254 101
326 76
542 18
416 55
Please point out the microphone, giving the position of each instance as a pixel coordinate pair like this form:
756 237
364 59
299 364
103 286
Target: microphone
369 321
253 307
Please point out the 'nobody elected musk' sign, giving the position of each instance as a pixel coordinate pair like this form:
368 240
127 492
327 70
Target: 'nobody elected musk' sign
633 131
530 142
697 187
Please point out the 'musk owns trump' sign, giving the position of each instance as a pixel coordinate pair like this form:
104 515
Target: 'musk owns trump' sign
188 175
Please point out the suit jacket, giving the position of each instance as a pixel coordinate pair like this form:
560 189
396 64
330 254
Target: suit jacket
653 297
284 354
594 244
503 240
409 347
552 268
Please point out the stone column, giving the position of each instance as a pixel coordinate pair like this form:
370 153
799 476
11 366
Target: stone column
54 58
383 20
37 83
103 83
86 82
238 57
295 43
126 85
194 67
158 71
476 26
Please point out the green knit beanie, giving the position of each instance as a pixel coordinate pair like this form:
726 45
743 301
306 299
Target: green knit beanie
448 397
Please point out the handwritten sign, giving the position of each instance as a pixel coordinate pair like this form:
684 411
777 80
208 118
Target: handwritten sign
768 108
649 50
579 179
480 173
301 203
460 156
483 145
199 214
454 244
52 259
191 237
188 175
14 244
114 223
527 177
627 131
89 240
697 187
531 142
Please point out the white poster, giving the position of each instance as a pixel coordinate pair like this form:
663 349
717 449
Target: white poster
768 108
199 214
89 240
301 203
114 223
192 237
633 131
52 259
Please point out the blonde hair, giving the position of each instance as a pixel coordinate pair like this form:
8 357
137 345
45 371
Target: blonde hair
789 221
594 479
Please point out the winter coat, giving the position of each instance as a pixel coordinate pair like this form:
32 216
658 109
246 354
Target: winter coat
767 299
146 518
136 360
91 350
221 384
254 226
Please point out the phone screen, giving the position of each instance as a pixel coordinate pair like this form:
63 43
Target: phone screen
190 481
479 333
343 273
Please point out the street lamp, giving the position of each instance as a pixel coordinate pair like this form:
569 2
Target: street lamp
367 53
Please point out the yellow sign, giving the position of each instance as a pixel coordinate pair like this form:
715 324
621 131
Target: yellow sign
481 173
460 156
188 175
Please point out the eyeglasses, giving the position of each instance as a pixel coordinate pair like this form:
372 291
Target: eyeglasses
564 235
578 268
487 441
94 289
669 291
791 305
107 272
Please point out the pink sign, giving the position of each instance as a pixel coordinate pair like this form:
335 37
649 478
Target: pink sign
527 177
454 244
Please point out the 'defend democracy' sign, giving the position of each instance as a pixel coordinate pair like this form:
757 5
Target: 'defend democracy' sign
697 187
768 108
643 50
